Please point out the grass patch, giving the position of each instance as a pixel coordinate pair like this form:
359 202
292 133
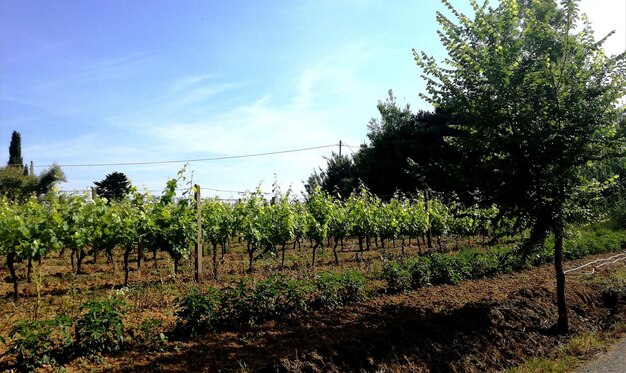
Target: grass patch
541 365
578 349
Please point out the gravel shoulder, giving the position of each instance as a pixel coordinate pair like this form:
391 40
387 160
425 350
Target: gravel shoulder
613 361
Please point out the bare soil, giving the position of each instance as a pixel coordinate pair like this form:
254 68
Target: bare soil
476 326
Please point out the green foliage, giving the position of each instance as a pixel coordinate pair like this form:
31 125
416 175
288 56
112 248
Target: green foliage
618 215
445 269
15 150
196 312
236 307
319 206
40 342
398 277
408 151
100 328
338 179
14 184
279 297
276 298
337 289
420 270
113 187
440 268
534 100
363 212
149 335
595 239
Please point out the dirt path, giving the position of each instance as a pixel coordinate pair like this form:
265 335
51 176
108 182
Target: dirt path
614 361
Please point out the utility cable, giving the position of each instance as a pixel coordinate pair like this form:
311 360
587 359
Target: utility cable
192 160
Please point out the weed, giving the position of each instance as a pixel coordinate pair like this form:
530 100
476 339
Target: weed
100 329
149 335
337 289
582 345
196 312
39 343
543 365
398 277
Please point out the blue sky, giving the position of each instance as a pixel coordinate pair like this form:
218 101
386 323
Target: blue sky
137 81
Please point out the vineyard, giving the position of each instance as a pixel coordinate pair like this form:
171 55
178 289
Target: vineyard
484 234
75 263
143 226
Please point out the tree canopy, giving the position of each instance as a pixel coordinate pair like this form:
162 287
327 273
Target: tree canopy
535 101
113 187
15 150
17 183
407 152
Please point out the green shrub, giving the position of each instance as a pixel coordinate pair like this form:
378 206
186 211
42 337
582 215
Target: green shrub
398 277
618 216
148 334
196 312
328 286
352 286
100 329
40 343
445 269
279 297
337 289
476 264
421 271
236 307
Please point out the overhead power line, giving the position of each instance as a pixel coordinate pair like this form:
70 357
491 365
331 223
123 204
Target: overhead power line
192 160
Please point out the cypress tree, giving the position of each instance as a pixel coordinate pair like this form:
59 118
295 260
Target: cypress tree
15 149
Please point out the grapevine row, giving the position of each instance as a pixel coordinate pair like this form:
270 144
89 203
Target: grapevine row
31 230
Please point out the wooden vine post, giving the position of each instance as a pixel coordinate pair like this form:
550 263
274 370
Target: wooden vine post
198 274
429 232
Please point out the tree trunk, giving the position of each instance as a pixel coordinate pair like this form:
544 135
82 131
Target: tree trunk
250 257
79 261
29 270
139 254
215 260
72 260
335 251
313 259
10 264
562 325
282 259
126 266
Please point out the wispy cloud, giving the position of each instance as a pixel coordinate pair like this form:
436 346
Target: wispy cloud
318 105
89 71
197 94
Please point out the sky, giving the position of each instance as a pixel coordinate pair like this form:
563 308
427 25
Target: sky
113 82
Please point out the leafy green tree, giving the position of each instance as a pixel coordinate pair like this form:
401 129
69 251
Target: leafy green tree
113 187
15 150
339 178
17 186
48 179
407 152
536 100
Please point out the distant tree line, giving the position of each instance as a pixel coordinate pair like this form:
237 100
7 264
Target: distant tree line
17 182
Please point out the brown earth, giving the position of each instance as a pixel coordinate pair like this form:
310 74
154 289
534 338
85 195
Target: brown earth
476 326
